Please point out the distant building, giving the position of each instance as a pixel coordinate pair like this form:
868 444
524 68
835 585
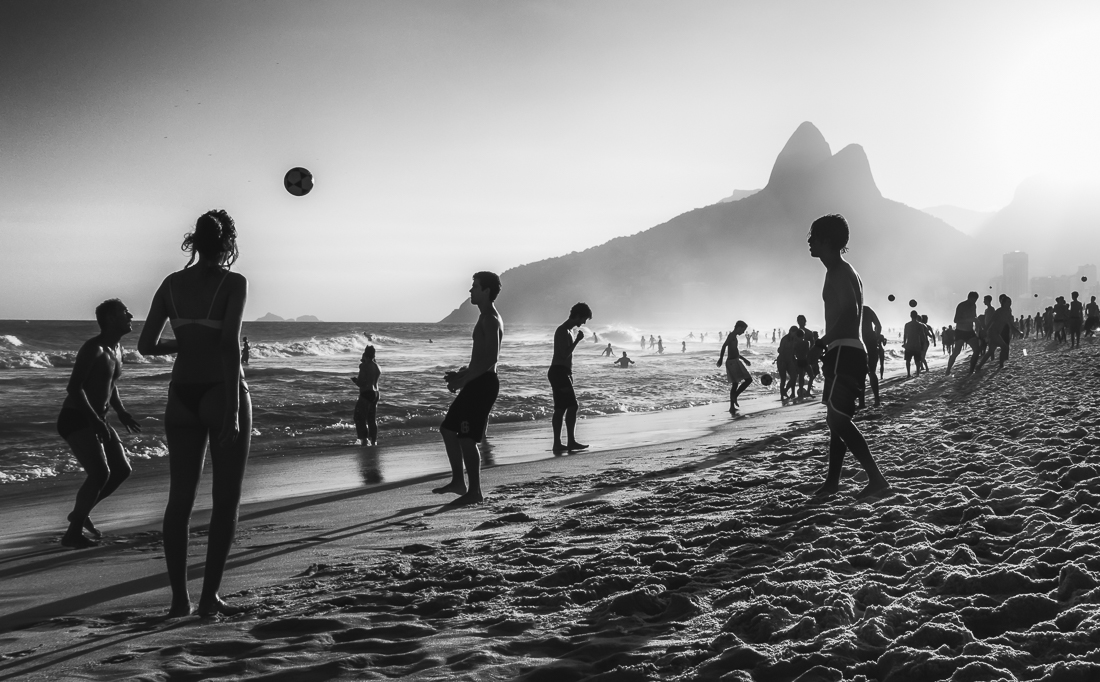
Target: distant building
1014 276
1046 289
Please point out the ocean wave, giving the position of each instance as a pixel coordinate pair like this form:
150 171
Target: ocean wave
323 346
10 341
29 360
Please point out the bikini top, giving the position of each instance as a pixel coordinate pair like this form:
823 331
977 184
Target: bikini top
178 321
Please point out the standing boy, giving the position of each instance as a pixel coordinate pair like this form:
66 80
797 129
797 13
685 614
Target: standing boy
845 361
83 419
560 376
477 386
737 373
366 407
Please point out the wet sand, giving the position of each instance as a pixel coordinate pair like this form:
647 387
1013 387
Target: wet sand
703 558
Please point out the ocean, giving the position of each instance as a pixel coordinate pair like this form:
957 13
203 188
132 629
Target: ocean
300 372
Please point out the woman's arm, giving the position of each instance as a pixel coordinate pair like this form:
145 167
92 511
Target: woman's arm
231 356
150 343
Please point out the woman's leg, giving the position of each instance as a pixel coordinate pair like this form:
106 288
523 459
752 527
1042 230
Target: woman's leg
186 438
228 464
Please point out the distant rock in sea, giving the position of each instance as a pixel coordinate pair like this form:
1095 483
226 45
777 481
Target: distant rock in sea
270 317
306 318
739 194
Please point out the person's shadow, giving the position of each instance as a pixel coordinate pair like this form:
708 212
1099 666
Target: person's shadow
370 465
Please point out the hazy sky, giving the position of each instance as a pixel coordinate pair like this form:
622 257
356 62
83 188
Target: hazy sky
450 137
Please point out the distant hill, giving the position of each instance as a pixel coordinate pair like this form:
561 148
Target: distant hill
962 219
270 317
1058 226
306 318
749 259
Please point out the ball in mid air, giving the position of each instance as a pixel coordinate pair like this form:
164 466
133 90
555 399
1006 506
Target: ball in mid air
912 303
890 298
298 181
1084 279
766 379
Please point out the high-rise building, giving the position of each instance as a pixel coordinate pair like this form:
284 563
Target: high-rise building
1014 279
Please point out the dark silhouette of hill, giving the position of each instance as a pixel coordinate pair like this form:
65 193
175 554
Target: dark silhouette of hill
749 258
1058 226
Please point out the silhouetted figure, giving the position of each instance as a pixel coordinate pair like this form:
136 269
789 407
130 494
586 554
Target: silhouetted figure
871 333
812 358
947 339
966 314
785 363
914 336
643 341
845 361
246 351
93 386
929 336
1092 317
607 352
1076 320
1000 331
736 372
652 342
623 362
477 386
560 376
1061 318
1048 323
366 407
208 401
660 346
801 351
683 346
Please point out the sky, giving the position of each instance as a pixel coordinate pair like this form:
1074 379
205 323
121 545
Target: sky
450 137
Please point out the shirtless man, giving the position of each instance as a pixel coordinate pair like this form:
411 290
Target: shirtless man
914 340
477 387
785 364
1092 317
737 373
966 313
845 360
871 332
560 376
999 331
624 361
83 419
366 407
607 352
812 366
1076 320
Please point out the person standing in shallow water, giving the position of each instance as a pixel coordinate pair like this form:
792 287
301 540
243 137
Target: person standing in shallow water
477 385
560 376
845 360
93 386
366 407
208 401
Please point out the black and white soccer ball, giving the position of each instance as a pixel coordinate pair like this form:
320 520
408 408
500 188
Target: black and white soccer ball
298 181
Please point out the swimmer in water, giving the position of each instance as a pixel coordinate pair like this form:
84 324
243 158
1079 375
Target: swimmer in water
623 362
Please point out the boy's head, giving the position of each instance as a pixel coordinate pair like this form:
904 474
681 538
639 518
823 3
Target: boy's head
110 312
488 282
972 296
740 327
831 231
988 299
580 312
368 353
801 319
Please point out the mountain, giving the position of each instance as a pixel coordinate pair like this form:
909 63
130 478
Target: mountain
306 318
748 259
962 219
1054 223
270 317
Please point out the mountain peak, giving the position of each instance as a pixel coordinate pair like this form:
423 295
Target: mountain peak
851 166
805 149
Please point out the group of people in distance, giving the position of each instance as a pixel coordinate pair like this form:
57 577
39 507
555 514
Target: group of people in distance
209 406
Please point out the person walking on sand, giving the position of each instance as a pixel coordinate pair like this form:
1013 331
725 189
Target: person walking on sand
736 372
914 337
845 361
366 407
245 351
929 337
623 362
93 387
813 369
966 314
1092 317
477 387
785 364
208 401
999 334
871 333
560 376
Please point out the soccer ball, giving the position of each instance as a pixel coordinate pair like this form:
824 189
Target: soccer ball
766 379
912 303
298 181
890 298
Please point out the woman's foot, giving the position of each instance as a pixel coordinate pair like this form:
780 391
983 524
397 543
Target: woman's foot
77 540
180 609
215 607
456 487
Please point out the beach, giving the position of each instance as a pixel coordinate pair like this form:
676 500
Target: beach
697 555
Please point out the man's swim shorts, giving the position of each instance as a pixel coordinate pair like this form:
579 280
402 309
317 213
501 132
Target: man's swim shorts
561 384
845 376
964 335
736 371
469 413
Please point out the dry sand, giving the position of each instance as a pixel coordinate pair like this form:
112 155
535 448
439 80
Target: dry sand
703 560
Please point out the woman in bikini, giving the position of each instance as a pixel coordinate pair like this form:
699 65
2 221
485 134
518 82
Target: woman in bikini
208 401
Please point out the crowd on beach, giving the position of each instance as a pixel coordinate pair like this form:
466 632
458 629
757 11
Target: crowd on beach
208 406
